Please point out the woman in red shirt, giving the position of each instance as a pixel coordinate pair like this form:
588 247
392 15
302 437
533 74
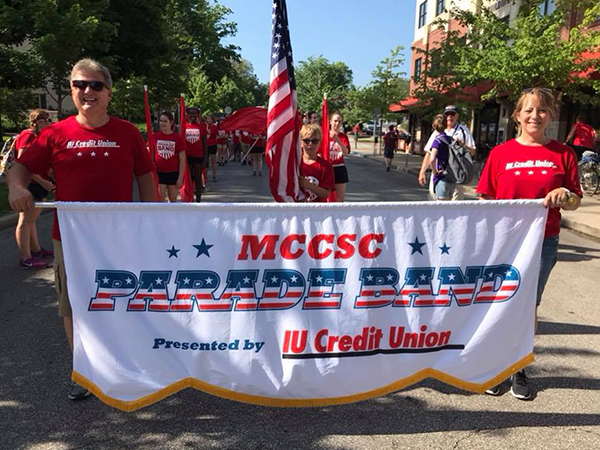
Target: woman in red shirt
32 253
529 167
339 145
222 147
170 158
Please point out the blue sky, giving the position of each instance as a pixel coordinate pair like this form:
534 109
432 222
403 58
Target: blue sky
358 32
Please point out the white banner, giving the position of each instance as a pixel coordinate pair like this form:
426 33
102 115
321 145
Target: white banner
299 305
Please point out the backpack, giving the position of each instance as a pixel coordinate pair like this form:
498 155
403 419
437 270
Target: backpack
7 155
459 169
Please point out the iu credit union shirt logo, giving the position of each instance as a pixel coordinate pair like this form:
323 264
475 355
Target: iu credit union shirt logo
166 149
192 135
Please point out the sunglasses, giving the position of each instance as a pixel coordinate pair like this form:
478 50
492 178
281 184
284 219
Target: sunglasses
450 113
311 141
83 85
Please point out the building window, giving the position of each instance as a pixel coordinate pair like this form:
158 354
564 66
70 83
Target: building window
417 74
422 13
42 101
547 7
506 19
439 7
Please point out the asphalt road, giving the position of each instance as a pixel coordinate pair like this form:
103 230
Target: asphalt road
565 414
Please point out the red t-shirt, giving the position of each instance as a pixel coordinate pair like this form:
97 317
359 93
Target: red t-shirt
319 173
236 137
193 139
584 135
168 148
211 134
336 157
24 139
516 171
221 138
89 164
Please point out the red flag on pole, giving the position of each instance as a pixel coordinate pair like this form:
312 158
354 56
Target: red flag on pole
282 152
186 191
151 139
326 141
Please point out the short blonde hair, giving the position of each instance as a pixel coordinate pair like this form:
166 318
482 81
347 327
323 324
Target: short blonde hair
311 130
91 65
544 96
439 123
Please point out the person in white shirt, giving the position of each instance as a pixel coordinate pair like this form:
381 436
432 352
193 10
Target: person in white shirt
457 131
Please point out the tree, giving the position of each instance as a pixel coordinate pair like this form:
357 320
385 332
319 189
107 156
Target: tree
536 50
318 76
389 85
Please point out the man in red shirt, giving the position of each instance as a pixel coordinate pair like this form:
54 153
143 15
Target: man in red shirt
584 137
94 158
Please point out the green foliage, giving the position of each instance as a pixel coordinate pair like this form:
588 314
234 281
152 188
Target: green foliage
318 76
535 50
15 104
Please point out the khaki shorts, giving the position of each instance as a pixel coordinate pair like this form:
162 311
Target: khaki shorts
60 281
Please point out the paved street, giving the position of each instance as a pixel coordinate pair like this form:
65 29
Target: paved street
35 368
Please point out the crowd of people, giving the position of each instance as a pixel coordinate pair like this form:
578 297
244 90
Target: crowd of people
79 151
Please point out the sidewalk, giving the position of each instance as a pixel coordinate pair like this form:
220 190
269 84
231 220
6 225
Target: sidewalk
585 220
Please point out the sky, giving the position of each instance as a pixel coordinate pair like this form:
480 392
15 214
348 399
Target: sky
359 33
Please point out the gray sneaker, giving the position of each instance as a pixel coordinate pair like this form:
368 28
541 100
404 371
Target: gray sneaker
520 386
78 392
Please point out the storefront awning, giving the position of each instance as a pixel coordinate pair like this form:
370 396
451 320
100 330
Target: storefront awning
403 105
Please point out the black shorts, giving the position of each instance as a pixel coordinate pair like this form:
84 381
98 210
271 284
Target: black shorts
195 160
38 192
340 174
212 149
388 152
256 150
237 148
168 178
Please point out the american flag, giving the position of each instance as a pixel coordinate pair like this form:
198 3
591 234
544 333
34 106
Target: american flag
282 152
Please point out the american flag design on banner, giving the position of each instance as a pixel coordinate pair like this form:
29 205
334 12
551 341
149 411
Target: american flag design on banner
282 152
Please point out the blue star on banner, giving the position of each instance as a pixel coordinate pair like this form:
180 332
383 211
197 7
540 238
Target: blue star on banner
173 252
203 248
445 249
416 246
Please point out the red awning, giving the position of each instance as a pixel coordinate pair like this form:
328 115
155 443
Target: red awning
403 105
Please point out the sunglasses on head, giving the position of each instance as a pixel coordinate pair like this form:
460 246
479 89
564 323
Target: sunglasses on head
311 141
83 85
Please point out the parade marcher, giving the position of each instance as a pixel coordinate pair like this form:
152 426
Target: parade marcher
390 140
584 137
456 131
222 147
356 132
94 158
509 174
438 157
195 140
211 142
339 145
313 118
237 146
170 158
256 155
316 175
32 254
246 142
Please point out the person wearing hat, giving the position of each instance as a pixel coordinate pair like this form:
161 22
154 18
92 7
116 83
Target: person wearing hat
457 131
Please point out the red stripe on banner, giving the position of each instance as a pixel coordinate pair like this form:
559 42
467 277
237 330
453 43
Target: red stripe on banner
228 295
105 295
181 307
364 303
102 306
317 305
271 295
245 306
155 307
151 296
415 291
502 288
183 296
218 307
456 291
137 307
